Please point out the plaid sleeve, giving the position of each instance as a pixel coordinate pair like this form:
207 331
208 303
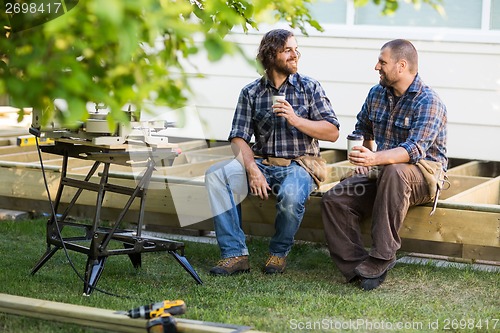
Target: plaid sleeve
429 120
242 119
321 107
364 124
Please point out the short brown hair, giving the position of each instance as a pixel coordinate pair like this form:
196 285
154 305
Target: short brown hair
403 49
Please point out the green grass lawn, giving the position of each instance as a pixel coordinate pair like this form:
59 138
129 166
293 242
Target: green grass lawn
309 297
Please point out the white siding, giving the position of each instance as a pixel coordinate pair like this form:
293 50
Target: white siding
465 74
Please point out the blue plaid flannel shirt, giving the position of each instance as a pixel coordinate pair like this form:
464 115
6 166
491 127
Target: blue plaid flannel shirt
417 122
273 135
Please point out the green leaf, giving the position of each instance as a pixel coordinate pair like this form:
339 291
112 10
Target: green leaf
76 113
109 10
361 3
94 51
214 47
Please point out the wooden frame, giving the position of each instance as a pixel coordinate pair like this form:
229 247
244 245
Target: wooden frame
466 224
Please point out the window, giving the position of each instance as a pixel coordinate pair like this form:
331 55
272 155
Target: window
465 14
330 11
495 15
478 15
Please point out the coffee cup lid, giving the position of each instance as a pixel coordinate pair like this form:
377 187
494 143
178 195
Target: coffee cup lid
354 136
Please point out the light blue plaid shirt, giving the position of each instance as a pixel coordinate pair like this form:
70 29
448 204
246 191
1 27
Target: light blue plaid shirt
417 122
273 136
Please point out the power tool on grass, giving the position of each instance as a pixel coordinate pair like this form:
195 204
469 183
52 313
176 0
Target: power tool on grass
154 310
160 315
165 323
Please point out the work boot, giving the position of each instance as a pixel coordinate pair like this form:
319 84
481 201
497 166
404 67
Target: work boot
370 284
373 268
231 265
275 264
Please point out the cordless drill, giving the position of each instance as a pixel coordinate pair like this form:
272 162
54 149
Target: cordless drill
165 323
154 310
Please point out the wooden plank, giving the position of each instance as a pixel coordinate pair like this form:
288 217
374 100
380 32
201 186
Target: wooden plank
447 226
31 156
31 205
475 253
188 170
409 244
333 155
191 145
452 250
69 313
477 168
27 183
176 190
161 173
100 318
12 132
453 226
195 156
6 141
12 149
484 193
337 171
267 230
459 183
488 255
467 169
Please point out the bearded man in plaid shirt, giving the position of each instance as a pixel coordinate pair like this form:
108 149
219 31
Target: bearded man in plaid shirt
403 122
283 132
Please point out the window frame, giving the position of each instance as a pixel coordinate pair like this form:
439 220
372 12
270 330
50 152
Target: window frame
484 34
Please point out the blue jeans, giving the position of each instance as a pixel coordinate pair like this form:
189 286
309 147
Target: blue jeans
227 186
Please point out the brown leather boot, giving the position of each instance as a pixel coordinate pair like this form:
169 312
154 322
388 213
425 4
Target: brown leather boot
275 264
231 265
373 267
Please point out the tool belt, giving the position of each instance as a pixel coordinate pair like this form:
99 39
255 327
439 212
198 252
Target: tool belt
314 165
434 176
432 171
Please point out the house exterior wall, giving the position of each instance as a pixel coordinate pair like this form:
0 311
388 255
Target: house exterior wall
462 65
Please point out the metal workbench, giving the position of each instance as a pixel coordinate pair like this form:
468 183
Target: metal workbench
94 239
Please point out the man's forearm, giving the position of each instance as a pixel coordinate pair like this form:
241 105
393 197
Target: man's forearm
242 152
370 144
391 156
318 129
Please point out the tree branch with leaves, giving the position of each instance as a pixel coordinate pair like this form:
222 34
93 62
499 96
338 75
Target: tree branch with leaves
119 52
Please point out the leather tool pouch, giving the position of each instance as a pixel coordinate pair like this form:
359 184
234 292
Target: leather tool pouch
277 161
434 176
316 166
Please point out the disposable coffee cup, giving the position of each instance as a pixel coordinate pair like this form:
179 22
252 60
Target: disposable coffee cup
277 97
354 140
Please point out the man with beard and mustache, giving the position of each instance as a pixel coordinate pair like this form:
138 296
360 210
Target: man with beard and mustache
403 122
283 132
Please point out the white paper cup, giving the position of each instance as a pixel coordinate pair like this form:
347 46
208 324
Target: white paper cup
276 97
354 140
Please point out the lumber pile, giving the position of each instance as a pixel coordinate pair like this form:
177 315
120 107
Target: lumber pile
10 127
